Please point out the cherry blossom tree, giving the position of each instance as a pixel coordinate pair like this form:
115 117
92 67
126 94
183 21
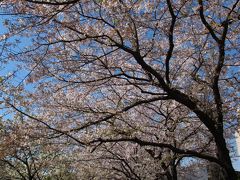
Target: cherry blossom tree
27 151
160 74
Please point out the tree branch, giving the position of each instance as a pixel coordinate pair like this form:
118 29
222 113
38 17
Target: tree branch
204 21
170 40
123 110
53 2
161 145
47 125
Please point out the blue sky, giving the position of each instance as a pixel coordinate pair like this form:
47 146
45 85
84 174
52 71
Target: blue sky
11 67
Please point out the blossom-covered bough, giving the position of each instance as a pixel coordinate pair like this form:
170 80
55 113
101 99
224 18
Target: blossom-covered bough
160 74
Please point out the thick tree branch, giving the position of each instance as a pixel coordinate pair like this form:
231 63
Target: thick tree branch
170 40
53 2
204 21
190 102
161 145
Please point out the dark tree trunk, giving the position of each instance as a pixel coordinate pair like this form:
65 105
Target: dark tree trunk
223 155
173 170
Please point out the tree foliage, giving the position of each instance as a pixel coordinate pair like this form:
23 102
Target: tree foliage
136 86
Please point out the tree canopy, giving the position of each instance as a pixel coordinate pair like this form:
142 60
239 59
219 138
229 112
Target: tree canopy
120 89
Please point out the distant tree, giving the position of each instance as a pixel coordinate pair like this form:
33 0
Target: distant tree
161 74
27 155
